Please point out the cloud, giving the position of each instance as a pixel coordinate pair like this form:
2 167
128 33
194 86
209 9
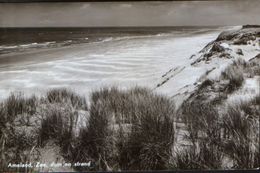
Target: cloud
125 5
85 6
174 13
45 22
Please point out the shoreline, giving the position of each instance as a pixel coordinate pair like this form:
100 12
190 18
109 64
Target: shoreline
114 37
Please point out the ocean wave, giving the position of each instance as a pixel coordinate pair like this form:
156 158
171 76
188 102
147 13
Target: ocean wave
27 45
109 39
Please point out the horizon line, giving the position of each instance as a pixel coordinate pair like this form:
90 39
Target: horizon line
72 1
120 26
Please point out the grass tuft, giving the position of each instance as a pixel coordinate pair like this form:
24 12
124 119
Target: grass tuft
63 95
242 143
128 130
234 74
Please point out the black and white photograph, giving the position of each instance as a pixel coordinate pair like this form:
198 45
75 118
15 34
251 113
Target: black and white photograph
129 85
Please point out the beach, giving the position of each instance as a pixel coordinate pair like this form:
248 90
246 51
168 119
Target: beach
115 61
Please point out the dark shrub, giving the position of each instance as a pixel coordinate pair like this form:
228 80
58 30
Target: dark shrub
239 52
217 48
206 83
244 38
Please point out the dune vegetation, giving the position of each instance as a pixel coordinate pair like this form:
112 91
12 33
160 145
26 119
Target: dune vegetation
128 130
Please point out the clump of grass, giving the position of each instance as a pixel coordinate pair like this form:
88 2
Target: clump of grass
17 104
57 124
201 117
63 95
242 144
15 136
253 68
234 73
212 136
203 125
128 129
186 159
256 100
203 156
60 116
152 135
30 122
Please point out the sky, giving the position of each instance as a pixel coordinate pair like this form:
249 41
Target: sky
116 14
